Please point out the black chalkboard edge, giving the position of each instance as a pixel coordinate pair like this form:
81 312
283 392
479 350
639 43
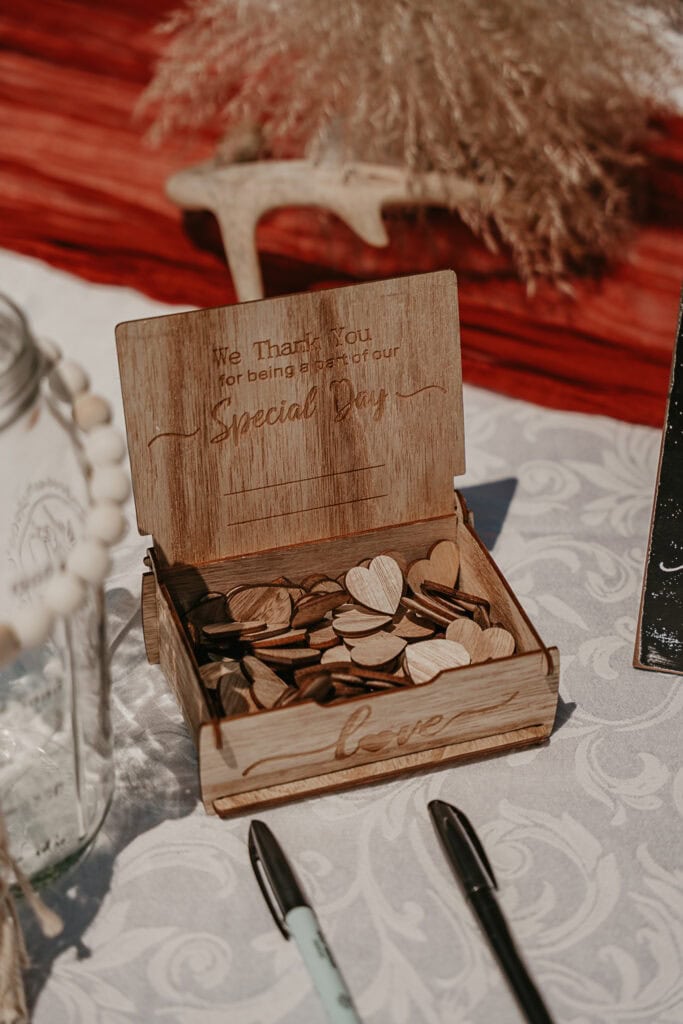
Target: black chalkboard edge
638 652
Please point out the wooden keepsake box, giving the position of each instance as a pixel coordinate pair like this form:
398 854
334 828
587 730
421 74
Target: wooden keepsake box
303 435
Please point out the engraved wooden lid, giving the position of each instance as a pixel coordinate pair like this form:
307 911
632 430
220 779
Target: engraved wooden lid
293 419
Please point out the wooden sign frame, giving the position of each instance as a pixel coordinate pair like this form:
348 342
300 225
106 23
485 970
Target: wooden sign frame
659 638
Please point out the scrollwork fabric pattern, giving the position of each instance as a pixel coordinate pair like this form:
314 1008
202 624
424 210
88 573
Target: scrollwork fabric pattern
163 920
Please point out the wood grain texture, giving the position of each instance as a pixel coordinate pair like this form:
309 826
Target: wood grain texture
378 650
268 421
482 644
189 582
251 753
379 587
358 623
412 627
335 655
266 686
179 665
236 694
378 771
312 608
429 658
266 604
441 565
273 638
464 631
150 617
304 740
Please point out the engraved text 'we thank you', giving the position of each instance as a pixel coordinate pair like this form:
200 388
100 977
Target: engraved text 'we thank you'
343 351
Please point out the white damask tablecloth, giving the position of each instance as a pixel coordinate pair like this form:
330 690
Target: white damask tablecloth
164 920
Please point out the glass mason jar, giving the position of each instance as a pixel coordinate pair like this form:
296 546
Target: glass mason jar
56 774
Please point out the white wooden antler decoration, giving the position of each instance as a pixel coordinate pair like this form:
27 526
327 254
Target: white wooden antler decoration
239 194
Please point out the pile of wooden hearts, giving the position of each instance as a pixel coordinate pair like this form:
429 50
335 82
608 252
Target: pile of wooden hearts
377 627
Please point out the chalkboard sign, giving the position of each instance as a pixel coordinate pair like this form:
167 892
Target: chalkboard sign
659 644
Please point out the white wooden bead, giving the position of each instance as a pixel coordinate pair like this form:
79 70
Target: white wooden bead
109 483
104 445
49 350
9 644
68 380
89 560
105 522
64 593
33 624
91 411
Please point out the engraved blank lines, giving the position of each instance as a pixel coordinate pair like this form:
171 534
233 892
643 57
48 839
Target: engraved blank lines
310 508
306 479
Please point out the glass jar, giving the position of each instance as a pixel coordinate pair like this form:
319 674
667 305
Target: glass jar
56 774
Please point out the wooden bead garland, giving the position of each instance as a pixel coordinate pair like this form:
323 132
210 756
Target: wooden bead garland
88 562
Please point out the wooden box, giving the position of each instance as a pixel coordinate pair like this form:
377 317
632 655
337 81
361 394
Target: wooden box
307 433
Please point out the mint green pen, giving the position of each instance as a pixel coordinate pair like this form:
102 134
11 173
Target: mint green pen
296 918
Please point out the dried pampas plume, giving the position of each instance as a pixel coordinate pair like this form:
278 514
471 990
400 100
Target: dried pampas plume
542 103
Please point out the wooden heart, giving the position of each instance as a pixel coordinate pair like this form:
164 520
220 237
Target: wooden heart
315 685
232 687
334 655
411 627
399 558
466 632
236 700
495 642
378 587
217 631
326 587
442 565
210 609
482 644
322 637
213 673
314 607
428 658
288 656
377 651
266 687
284 638
427 610
359 623
265 603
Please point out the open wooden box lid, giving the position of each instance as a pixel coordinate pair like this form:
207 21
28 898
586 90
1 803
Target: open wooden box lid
293 419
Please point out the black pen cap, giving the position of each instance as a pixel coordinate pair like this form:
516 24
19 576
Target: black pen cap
271 865
462 847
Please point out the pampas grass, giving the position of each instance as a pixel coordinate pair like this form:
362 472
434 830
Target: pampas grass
544 104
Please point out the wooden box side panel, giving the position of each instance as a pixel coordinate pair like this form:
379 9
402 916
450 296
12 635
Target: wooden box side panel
150 617
188 583
286 744
179 665
377 771
479 574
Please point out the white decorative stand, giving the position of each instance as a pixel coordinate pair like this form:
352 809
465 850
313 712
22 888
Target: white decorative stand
240 193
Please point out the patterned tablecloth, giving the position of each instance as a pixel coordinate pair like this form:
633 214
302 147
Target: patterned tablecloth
164 920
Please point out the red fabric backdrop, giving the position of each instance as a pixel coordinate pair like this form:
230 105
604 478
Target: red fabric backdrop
80 189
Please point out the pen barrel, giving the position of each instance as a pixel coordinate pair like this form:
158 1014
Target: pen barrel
502 943
335 996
